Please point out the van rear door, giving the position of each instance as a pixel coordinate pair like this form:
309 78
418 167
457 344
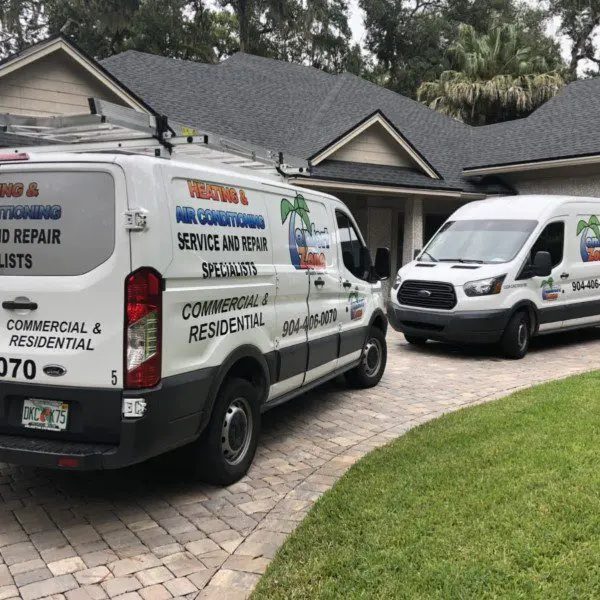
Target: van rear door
64 256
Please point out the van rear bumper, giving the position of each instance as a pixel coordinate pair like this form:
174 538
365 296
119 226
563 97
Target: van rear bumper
473 327
173 417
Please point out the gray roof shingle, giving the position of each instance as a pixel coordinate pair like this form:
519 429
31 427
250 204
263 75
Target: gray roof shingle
336 170
291 108
565 126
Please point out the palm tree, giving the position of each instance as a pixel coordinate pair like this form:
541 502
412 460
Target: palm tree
495 78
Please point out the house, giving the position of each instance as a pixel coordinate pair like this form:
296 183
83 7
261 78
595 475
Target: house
400 167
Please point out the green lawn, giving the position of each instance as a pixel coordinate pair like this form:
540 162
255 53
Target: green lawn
497 501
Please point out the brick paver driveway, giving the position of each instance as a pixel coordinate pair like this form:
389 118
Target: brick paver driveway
148 533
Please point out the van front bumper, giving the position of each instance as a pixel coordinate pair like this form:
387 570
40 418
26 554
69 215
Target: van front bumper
97 436
473 327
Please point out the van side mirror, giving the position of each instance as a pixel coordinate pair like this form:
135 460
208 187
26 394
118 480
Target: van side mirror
416 253
383 263
542 264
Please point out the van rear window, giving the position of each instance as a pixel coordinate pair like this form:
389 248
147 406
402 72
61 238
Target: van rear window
55 223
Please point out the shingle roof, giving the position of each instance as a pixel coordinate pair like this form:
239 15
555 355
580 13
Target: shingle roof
565 126
291 108
337 170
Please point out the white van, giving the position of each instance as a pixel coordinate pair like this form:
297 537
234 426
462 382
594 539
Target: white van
149 304
502 270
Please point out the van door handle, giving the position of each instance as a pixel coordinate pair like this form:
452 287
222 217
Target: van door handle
319 282
347 284
564 275
12 305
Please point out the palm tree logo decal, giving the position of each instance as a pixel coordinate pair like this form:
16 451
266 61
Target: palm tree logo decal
297 242
589 245
299 207
549 292
357 305
547 282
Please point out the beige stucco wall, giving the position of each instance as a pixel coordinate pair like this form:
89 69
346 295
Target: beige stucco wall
53 85
563 182
374 146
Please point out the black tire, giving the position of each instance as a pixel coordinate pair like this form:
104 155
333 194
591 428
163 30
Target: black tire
415 340
516 336
372 365
225 451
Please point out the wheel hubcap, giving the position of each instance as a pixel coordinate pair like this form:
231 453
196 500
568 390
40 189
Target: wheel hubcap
372 357
237 431
522 336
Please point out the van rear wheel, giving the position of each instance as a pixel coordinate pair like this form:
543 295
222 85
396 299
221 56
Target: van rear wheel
372 365
225 450
516 337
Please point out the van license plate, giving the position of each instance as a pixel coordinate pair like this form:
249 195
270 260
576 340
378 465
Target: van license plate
50 415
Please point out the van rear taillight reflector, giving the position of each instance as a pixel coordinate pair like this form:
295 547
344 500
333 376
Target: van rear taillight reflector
143 316
14 156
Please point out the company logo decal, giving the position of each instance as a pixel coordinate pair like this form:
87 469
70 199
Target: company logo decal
549 291
357 306
305 241
589 239
54 370
425 293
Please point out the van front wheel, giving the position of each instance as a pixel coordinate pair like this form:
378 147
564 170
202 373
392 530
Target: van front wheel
227 446
516 337
373 361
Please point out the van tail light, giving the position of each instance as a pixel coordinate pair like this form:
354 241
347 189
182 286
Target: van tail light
143 317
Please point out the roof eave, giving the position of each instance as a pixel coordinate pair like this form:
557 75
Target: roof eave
332 183
533 165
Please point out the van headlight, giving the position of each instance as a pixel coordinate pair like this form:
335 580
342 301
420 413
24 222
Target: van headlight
484 287
397 281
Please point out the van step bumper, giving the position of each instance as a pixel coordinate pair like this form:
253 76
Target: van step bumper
473 327
32 452
173 418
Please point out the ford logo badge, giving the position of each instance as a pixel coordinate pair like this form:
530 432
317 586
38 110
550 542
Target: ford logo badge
424 293
54 370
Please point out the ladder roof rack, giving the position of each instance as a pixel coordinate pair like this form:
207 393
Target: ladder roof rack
111 127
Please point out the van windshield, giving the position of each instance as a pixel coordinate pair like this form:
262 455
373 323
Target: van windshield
479 241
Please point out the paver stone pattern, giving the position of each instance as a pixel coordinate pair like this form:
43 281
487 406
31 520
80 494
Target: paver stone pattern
150 533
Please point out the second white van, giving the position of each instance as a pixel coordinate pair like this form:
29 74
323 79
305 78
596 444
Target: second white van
501 271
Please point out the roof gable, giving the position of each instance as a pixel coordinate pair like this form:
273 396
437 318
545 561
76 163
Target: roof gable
375 141
58 46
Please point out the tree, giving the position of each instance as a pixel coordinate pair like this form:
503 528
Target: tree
311 32
495 78
410 38
176 28
21 24
579 21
